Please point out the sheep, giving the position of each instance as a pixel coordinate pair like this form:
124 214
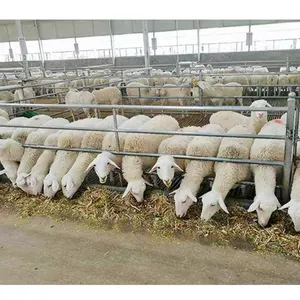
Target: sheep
229 119
175 145
196 171
135 90
64 159
132 166
227 173
217 91
106 161
31 155
3 121
258 81
78 83
28 93
108 95
241 79
293 205
72 181
6 96
61 89
283 80
99 82
172 80
83 97
6 132
10 170
144 81
20 134
172 90
265 201
39 171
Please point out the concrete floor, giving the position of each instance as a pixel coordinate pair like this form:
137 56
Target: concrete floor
42 251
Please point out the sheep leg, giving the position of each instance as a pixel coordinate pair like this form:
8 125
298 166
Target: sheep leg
77 112
95 112
72 115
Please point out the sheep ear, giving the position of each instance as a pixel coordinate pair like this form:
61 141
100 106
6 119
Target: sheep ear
269 105
177 167
128 189
253 206
287 205
114 164
55 186
173 192
222 205
2 172
27 175
153 168
190 194
203 195
91 166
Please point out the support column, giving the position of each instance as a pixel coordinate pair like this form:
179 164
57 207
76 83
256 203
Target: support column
40 46
249 37
23 47
146 44
112 44
198 41
76 46
177 48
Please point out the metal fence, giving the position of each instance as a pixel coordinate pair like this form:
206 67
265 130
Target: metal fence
290 138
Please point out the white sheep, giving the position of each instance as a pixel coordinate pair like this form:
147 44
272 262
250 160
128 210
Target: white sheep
229 119
6 132
196 170
31 155
64 160
83 97
61 89
108 95
132 166
176 145
72 180
135 90
4 114
217 91
265 201
3 121
10 169
105 162
144 81
28 93
227 173
294 204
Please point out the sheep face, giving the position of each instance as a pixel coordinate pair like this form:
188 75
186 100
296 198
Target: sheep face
137 189
103 165
36 184
184 198
51 186
260 115
165 168
294 212
212 202
264 205
69 186
23 183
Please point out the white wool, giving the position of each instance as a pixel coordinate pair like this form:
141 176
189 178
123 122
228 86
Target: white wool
132 166
72 181
227 174
10 170
135 90
196 171
106 161
265 201
64 159
229 119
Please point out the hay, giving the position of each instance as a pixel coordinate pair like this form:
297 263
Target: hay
106 209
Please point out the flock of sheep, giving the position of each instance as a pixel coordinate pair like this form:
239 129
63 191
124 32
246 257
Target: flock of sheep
36 170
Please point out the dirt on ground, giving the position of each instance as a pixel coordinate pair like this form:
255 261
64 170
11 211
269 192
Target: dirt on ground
39 250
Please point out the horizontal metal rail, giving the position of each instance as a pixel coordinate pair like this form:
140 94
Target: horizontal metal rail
161 132
144 154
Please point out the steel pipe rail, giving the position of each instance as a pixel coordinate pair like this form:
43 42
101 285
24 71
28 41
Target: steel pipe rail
161 132
146 154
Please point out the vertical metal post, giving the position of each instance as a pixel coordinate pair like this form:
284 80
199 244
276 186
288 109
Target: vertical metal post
287 64
112 43
10 50
23 47
116 127
177 48
289 145
198 40
146 45
249 31
40 47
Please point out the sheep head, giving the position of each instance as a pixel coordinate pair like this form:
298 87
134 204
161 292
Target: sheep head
165 168
51 186
212 202
137 189
70 185
103 165
184 198
265 205
36 183
294 212
260 115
